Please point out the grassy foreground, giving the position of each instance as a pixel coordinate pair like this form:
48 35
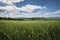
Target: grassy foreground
30 30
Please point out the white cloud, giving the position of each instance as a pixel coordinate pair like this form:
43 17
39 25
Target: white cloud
26 8
57 12
14 12
27 15
30 8
51 14
10 1
8 11
9 8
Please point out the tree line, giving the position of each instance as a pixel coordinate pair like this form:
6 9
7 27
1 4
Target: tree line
4 18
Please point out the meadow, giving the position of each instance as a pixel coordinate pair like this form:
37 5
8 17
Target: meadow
30 30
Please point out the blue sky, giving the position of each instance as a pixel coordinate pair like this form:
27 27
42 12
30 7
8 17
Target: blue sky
29 8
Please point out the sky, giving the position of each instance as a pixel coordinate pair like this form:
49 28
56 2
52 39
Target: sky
29 8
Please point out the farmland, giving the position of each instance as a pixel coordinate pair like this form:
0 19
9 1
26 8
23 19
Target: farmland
30 30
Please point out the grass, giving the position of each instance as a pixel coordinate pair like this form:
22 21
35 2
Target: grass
30 30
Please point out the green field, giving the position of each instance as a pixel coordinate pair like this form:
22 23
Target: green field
30 30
